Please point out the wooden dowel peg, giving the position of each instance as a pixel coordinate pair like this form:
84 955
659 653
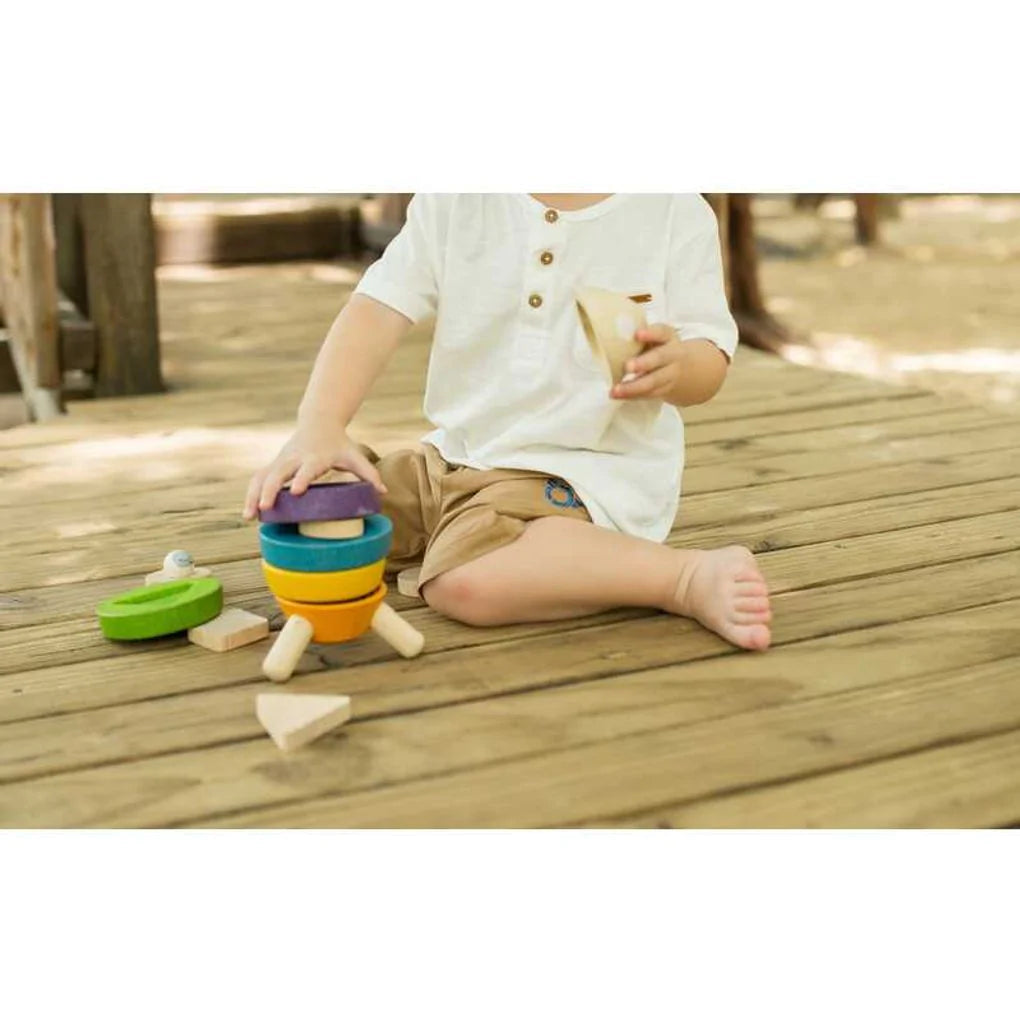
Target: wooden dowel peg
397 632
283 657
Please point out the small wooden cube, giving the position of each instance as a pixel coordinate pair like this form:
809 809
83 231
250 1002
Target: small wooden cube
231 629
293 720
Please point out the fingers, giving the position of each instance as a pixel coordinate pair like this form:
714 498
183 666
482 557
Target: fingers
652 384
279 472
657 333
251 499
657 357
354 460
310 469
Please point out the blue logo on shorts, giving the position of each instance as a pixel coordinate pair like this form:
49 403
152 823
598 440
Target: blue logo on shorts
560 494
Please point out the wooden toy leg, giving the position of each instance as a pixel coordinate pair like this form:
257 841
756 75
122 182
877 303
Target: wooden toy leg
397 632
288 648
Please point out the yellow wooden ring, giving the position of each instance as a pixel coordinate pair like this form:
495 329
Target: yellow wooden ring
337 621
324 586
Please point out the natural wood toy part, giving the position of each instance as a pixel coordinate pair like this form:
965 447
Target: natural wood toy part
293 720
610 321
231 629
407 582
353 528
331 624
287 649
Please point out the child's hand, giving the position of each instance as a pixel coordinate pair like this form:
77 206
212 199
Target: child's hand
658 367
310 452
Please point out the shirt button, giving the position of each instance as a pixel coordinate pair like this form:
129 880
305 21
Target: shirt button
551 216
535 300
546 258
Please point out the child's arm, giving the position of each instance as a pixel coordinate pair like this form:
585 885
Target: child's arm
687 357
357 347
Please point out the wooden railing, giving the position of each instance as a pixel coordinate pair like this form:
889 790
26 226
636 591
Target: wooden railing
78 296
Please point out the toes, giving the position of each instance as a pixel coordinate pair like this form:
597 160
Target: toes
756 638
751 589
749 619
751 604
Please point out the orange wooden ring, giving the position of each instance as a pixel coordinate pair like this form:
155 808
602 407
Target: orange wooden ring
333 622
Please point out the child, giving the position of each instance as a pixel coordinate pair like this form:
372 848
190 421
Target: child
541 494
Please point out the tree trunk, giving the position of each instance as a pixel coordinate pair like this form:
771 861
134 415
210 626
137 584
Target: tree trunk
757 326
866 219
120 269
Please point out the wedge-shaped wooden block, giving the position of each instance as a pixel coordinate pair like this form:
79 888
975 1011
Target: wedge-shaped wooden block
610 322
231 629
293 720
354 528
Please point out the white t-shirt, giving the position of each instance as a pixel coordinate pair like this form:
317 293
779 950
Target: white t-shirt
512 385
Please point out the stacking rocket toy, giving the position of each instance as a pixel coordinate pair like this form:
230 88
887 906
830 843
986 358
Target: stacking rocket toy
323 556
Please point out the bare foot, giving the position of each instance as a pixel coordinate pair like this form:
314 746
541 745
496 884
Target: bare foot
724 590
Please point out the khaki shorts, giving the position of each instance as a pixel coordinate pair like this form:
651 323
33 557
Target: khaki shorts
445 515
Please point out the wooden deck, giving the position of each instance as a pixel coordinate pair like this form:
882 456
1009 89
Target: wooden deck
887 523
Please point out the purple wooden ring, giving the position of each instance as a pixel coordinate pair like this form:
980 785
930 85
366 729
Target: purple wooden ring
332 501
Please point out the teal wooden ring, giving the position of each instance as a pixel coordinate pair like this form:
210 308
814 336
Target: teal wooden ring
285 547
159 609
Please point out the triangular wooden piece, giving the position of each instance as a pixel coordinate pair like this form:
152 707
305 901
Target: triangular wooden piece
610 321
293 720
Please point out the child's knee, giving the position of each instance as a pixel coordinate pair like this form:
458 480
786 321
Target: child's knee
464 595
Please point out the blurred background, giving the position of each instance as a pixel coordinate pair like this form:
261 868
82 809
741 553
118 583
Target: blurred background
918 289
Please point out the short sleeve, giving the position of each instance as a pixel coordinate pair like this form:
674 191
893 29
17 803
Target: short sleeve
406 277
695 287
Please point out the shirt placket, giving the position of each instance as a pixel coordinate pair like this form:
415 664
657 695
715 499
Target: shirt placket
537 300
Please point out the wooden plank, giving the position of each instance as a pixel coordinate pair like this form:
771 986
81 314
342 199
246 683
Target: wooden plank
44 688
881 408
261 229
84 558
75 600
786 570
661 739
29 296
576 785
184 719
120 272
793 528
759 501
974 784
198 456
